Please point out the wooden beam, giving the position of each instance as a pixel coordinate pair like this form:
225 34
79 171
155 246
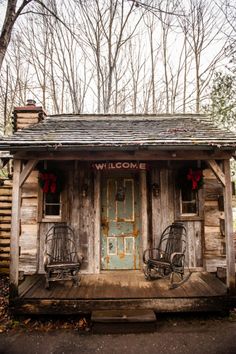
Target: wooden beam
97 222
151 155
26 170
217 171
144 215
15 230
230 252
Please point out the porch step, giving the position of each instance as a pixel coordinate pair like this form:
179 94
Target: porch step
123 321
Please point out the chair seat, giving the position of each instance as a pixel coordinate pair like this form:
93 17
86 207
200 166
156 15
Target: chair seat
158 262
61 265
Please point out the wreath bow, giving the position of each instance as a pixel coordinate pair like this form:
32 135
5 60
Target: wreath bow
195 177
48 182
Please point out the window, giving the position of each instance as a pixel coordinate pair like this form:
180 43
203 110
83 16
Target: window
52 205
50 181
189 202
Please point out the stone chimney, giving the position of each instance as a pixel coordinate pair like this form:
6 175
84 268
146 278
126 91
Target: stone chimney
27 115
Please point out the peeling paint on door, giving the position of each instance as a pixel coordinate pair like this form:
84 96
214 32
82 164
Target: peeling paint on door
120 236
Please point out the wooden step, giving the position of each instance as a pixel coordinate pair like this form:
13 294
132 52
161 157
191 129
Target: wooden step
123 321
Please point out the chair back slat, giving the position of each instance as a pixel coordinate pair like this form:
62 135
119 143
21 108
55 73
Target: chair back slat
61 244
173 240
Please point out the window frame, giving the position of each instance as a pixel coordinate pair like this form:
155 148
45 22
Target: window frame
41 206
46 217
196 204
199 216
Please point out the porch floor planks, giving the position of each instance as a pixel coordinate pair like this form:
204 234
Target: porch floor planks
27 284
214 283
119 286
195 285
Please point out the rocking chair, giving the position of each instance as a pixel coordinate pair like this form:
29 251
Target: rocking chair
61 260
167 260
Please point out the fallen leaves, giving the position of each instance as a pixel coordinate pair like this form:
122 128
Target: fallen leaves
44 324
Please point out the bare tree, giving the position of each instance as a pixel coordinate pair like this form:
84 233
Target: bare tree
107 30
201 32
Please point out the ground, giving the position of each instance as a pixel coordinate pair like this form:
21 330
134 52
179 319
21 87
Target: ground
8 322
198 334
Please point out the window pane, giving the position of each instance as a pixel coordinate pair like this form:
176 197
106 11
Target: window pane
52 198
52 204
189 201
189 208
188 195
52 210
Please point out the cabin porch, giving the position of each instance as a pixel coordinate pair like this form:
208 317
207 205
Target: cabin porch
121 290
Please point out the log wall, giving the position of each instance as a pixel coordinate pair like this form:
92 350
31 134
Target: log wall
5 224
214 250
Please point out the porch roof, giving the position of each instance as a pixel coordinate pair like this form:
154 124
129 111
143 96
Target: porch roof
87 131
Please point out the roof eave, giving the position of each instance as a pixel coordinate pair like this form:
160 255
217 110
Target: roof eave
114 147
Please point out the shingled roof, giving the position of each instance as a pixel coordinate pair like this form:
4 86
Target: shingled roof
121 131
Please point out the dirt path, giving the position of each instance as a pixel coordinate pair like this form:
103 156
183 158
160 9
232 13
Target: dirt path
173 335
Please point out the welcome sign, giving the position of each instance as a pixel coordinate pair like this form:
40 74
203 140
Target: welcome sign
120 165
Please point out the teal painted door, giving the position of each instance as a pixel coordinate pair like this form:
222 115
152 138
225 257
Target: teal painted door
120 235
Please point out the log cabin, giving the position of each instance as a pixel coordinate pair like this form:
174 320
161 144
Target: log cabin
123 179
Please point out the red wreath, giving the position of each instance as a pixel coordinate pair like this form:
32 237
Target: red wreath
48 182
196 178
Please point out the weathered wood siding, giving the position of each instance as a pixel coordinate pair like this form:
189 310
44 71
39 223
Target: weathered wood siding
205 243
5 224
81 210
165 210
214 250
29 225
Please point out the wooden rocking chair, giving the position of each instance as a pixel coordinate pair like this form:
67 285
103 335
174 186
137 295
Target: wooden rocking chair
61 260
167 260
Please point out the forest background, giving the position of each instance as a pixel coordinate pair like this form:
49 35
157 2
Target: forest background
119 56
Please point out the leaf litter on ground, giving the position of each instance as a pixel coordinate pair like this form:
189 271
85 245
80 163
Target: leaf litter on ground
10 322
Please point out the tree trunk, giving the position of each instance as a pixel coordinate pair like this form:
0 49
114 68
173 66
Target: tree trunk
9 21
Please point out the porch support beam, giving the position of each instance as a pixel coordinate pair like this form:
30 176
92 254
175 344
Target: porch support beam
144 208
97 221
15 230
145 154
26 170
230 252
217 171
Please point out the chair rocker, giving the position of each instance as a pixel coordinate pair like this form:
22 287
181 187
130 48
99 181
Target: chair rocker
167 260
61 260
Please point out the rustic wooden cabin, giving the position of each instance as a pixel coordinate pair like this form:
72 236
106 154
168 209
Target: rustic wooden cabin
120 181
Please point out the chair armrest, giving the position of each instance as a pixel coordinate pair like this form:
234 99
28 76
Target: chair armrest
80 257
147 254
45 259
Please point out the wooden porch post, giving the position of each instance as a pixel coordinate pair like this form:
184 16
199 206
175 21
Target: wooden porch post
144 215
15 230
97 221
230 252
